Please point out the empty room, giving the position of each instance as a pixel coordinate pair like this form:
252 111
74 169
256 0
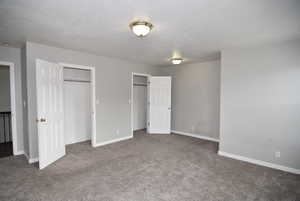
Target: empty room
150 100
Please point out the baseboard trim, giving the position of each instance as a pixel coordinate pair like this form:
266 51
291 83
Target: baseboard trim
19 153
112 141
259 162
33 160
195 136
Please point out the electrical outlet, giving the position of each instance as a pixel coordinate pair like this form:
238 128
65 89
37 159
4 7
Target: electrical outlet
193 128
117 131
277 154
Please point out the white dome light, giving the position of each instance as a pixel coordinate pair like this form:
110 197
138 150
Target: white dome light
141 28
176 60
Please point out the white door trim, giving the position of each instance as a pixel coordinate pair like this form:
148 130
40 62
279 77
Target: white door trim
131 98
93 96
13 106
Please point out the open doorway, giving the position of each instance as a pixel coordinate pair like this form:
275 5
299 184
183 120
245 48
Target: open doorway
8 137
59 121
151 104
78 105
139 103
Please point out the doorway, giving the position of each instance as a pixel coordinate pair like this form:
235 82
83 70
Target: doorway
8 135
140 103
77 105
55 83
151 104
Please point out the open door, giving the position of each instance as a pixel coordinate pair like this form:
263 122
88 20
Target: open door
50 116
159 105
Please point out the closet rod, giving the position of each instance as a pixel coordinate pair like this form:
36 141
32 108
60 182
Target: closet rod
140 85
77 81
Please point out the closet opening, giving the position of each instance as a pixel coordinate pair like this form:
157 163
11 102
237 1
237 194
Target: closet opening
140 110
78 107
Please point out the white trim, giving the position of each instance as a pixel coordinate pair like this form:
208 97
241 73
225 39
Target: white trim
12 105
131 99
113 141
33 160
19 153
26 155
30 160
93 94
259 162
195 136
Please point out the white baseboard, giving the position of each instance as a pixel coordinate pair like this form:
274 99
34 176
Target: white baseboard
195 136
19 153
31 160
113 141
259 162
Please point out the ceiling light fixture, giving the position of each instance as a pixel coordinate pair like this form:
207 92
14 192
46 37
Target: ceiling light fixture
141 28
176 60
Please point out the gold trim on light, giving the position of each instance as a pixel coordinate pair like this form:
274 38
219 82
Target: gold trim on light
148 24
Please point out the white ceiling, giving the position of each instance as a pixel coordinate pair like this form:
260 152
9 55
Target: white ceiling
196 29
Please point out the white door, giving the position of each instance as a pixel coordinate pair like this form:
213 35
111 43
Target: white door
160 105
77 111
50 113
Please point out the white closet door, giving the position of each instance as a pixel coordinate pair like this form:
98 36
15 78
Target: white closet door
50 113
77 111
160 105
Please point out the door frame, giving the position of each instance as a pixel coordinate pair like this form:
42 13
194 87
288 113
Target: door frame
131 109
93 95
12 105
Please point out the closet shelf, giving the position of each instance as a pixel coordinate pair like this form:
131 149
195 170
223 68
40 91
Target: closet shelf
70 80
139 84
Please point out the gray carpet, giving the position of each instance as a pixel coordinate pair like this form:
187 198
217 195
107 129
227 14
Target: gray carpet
146 168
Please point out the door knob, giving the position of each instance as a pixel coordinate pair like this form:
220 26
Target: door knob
41 120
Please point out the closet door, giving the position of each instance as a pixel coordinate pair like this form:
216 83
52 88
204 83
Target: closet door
77 111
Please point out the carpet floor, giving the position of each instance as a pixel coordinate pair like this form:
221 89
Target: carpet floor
145 168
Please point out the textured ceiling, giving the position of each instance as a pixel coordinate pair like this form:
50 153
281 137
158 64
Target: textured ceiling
196 29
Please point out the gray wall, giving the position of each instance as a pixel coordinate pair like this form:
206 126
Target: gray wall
9 54
195 98
4 89
260 103
113 89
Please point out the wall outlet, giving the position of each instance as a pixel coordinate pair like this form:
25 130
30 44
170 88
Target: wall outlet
117 131
193 128
277 154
